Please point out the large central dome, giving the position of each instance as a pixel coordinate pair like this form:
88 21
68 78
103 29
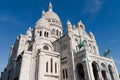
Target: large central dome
50 17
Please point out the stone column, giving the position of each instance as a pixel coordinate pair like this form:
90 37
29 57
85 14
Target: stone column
32 68
116 75
25 66
74 71
107 75
100 75
88 67
41 67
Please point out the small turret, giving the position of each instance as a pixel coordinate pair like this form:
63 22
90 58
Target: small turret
11 51
74 26
91 36
17 38
43 13
29 33
69 26
81 25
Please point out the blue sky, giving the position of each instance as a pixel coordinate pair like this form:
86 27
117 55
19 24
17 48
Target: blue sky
102 17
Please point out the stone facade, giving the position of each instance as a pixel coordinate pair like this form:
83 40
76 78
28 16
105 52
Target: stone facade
43 53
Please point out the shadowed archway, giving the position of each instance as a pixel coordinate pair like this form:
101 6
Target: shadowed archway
104 71
111 72
80 72
95 70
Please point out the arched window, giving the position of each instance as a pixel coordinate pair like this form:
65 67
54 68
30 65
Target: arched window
60 34
95 70
53 31
66 73
111 72
57 32
46 66
55 67
47 34
80 72
46 48
103 71
63 74
82 26
51 65
40 33
64 46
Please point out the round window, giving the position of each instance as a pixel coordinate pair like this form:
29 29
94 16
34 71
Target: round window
46 48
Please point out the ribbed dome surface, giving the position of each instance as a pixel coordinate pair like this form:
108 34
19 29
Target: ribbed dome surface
51 15
42 22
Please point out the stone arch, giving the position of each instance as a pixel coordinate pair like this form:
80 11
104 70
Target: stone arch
40 33
53 31
80 71
57 33
95 70
111 72
104 71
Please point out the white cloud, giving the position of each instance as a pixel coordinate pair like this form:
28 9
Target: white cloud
113 41
93 6
7 19
116 60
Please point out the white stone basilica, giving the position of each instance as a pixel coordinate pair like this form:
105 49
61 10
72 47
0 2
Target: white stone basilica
43 53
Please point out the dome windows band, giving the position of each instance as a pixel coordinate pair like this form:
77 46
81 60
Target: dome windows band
46 34
40 33
56 32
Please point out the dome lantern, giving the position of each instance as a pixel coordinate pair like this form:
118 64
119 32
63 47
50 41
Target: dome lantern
50 6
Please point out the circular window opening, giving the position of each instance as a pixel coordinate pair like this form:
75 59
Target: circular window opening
46 48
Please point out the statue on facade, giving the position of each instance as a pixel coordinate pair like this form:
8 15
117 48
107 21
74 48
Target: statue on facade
81 44
107 52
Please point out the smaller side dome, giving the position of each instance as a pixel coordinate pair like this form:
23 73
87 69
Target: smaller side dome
42 22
